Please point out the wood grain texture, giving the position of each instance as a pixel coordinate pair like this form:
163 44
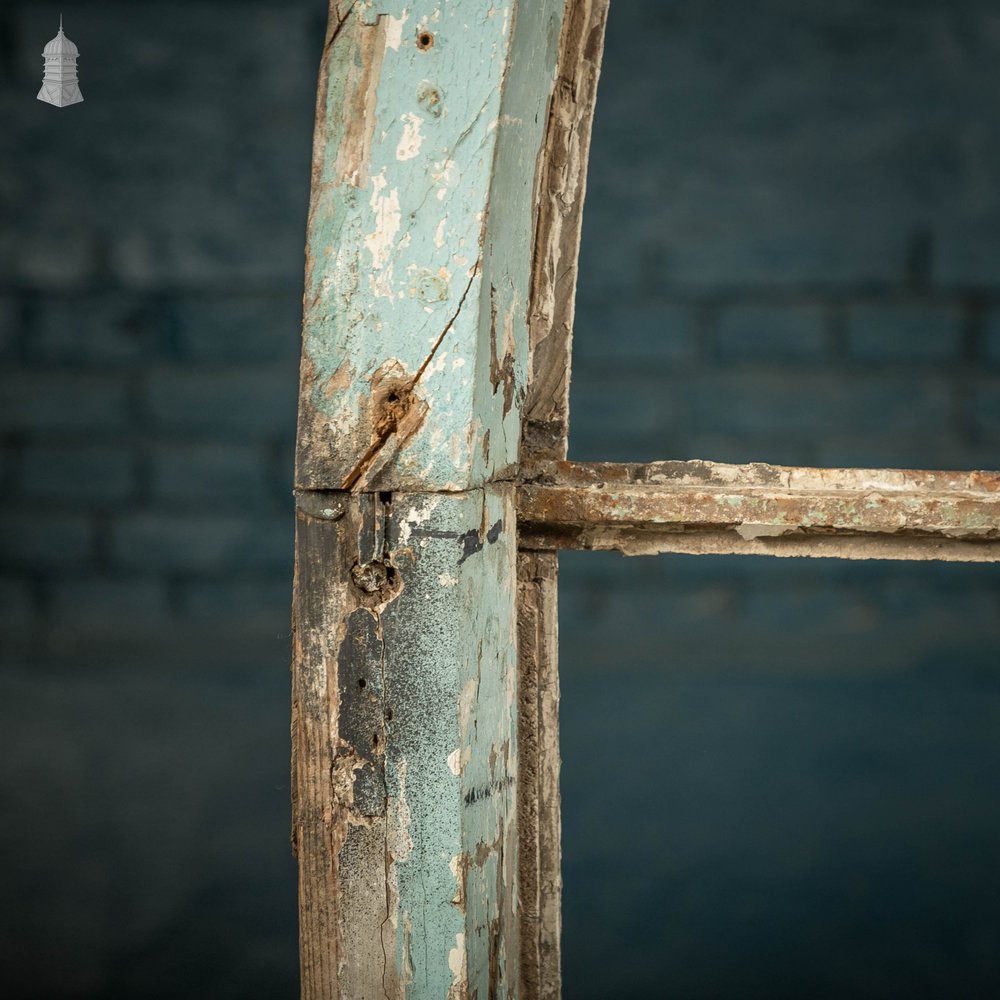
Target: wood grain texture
430 121
562 187
448 177
405 732
761 509
562 176
429 129
539 819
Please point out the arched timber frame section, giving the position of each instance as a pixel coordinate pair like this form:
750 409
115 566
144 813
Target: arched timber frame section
448 171
433 493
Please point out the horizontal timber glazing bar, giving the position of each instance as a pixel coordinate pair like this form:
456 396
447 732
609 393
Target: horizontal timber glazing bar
706 507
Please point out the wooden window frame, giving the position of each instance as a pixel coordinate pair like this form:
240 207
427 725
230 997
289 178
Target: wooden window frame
425 681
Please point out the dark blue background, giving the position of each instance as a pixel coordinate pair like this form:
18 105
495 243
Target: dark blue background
780 777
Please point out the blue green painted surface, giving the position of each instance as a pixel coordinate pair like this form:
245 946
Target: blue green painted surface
415 350
450 667
419 240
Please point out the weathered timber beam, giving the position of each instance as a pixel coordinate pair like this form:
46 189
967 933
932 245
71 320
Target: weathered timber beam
706 507
430 126
404 695
561 190
538 818
561 183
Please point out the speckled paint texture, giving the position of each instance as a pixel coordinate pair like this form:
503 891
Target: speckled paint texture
430 124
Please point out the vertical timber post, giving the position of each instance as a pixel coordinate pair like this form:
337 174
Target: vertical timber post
545 426
429 132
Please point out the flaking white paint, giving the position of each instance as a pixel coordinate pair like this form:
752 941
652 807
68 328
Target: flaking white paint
458 964
466 703
400 842
394 30
414 518
407 962
411 139
385 208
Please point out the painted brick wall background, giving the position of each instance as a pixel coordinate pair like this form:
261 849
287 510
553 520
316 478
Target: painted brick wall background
780 776
151 256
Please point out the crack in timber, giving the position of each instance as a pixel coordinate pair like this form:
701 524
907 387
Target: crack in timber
368 459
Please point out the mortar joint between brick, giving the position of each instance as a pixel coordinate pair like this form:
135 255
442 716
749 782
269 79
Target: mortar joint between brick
973 312
101 541
175 587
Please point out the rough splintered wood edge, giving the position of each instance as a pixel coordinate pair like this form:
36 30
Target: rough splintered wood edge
404 727
560 188
319 798
637 542
701 507
539 820
561 191
701 473
415 336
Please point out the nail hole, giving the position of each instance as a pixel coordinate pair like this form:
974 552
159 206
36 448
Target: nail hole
362 683
375 741
425 40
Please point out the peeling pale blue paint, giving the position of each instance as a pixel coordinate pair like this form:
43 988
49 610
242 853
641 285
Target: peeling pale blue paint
415 351
420 231
450 668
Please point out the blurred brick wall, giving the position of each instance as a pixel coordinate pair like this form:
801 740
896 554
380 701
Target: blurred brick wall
791 238
790 254
151 255
779 775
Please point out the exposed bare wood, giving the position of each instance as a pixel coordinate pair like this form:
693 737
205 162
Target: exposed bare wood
761 509
758 474
639 542
404 808
319 808
539 821
560 187
414 366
